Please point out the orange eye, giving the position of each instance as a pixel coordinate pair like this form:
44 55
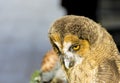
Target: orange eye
76 47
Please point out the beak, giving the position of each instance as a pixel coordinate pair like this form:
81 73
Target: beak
69 62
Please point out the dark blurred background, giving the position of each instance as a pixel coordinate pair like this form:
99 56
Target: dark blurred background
24 26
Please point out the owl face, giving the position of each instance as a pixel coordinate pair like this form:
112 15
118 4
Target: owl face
70 49
73 38
83 46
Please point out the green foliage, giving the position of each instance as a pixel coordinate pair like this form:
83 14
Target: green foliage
35 77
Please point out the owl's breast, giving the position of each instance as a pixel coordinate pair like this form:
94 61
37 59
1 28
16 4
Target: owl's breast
80 75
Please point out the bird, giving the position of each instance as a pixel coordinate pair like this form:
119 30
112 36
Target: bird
87 51
50 69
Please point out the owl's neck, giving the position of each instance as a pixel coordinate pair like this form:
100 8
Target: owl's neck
81 74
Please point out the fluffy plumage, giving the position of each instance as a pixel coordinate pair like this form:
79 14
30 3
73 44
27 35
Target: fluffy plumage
87 52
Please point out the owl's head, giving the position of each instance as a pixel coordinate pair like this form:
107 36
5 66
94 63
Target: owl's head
73 38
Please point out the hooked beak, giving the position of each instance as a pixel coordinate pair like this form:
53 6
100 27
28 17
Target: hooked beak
69 62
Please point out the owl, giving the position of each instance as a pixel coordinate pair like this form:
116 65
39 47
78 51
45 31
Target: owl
50 70
87 52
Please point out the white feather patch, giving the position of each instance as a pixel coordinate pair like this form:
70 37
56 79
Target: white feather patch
70 55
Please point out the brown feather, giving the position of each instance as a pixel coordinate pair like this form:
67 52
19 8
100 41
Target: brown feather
101 59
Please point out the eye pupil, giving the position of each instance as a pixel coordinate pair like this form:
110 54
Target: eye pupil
76 47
